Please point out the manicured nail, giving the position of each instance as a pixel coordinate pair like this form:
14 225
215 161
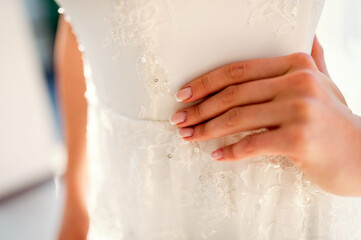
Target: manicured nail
183 94
217 155
177 118
185 132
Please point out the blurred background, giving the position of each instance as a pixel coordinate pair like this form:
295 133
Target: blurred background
31 150
31 143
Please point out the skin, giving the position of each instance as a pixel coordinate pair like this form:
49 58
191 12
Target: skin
293 96
71 89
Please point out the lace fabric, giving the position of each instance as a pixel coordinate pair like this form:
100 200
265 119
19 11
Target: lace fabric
134 23
191 196
286 9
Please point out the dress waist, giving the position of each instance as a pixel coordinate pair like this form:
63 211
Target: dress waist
95 103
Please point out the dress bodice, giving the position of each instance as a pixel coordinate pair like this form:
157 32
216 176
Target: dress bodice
142 51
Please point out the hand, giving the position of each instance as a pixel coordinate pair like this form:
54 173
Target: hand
293 97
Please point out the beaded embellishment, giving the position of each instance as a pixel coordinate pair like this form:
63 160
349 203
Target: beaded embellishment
134 23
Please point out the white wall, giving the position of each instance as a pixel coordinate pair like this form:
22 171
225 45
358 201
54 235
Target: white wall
339 32
27 132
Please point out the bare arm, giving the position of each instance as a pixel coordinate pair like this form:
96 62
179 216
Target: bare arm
71 89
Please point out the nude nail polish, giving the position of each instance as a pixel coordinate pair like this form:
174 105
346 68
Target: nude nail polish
217 155
185 132
183 94
177 118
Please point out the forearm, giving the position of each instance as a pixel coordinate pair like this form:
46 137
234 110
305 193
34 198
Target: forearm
73 106
74 122
75 175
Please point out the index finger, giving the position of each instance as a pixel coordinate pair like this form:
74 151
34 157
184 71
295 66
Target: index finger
239 72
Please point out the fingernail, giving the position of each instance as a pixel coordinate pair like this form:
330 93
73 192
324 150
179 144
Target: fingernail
185 132
217 155
178 118
183 94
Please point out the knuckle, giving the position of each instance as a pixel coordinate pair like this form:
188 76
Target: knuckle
201 130
305 75
197 112
302 108
235 70
230 94
303 59
307 82
205 82
233 117
231 152
248 144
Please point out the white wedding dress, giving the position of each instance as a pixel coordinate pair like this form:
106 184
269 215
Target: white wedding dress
146 183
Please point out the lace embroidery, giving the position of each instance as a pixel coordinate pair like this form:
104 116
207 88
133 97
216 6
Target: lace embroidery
217 195
134 23
223 193
286 9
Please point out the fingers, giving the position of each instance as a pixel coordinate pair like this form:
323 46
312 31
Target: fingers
232 96
236 73
270 142
299 83
318 56
241 72
237 119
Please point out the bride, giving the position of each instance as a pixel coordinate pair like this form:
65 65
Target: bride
204 120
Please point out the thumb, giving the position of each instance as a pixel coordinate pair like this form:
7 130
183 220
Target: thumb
318 56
